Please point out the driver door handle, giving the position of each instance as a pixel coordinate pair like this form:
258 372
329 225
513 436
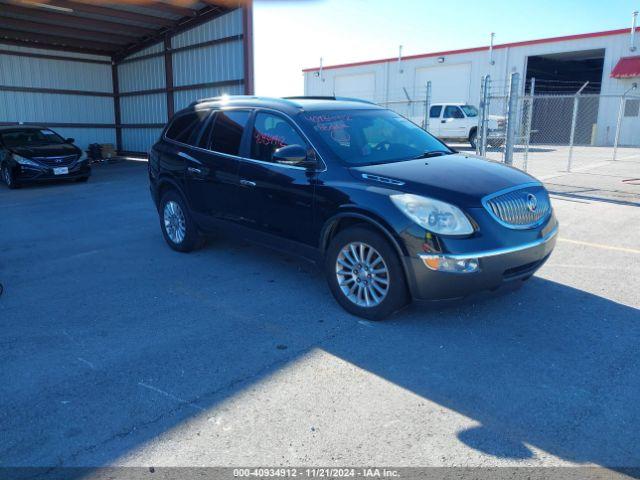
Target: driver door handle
247 183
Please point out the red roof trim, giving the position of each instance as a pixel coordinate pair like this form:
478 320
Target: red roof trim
479 49
627 67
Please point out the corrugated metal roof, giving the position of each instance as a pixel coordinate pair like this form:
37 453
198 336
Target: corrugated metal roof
85 26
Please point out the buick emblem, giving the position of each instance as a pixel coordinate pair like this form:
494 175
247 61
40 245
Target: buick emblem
58 160
532 202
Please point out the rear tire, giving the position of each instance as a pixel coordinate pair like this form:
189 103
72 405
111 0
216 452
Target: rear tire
369 283
8 178
178 228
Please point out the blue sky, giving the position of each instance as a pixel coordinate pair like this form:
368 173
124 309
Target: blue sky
294 34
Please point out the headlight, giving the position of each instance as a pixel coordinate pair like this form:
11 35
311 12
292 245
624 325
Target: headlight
26 161
83 157
434 215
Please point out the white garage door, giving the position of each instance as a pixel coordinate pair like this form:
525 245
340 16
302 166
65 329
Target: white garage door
362 85
449 83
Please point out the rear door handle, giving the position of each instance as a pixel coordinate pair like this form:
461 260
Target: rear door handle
247 183
195 170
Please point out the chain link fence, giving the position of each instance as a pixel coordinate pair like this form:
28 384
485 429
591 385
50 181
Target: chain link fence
545 127
549 133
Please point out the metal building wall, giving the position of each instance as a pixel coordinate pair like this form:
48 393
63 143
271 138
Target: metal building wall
394 80
70 92
143 103
207 60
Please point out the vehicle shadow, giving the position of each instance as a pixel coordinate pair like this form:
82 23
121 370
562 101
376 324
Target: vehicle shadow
144 349
549 366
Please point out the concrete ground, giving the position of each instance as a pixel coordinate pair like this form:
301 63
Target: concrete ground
118 351
546 161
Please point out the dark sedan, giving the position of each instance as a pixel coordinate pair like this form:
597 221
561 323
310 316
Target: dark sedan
35 154
390 211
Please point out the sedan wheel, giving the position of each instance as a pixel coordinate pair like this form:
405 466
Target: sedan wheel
7 177
362 274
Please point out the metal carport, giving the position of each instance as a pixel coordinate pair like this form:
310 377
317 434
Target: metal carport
114 73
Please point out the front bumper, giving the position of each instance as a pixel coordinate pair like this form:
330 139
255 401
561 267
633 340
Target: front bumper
27 174
497 267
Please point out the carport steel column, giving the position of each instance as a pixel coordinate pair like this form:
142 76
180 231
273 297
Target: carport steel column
168 74
117 117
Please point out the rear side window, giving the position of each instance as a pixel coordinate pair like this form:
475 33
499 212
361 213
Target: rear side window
227 132
271 132
435 111
185 128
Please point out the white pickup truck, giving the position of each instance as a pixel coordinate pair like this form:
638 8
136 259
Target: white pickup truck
458 122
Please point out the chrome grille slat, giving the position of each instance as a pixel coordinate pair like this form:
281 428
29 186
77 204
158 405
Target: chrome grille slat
64 161
511 207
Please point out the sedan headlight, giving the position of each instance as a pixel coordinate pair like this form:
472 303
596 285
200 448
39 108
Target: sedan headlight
436 216
26 161
83 157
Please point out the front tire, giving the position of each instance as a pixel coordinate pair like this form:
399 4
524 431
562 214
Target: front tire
178 228
365 274
473 139
8 177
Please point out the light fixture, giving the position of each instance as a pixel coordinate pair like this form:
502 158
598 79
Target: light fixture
49 7
440 59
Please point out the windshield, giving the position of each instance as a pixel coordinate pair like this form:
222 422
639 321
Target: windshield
30 136
469 110
366 137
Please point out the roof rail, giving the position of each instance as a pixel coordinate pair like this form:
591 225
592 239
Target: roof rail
328 97
218 98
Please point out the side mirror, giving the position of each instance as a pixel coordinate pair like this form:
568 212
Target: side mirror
295 155
70 140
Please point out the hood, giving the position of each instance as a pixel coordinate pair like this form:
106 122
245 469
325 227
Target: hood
459 179
52 150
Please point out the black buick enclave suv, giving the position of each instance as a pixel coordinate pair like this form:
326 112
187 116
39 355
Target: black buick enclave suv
34 154
389 210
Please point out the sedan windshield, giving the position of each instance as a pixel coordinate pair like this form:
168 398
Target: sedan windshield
30 136
367 137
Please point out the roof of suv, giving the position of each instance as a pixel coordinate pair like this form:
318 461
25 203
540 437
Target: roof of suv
290 105
21 127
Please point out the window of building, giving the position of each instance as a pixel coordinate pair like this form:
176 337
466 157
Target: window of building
632 108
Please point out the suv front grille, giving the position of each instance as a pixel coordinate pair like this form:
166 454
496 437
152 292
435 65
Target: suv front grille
523 207
57 161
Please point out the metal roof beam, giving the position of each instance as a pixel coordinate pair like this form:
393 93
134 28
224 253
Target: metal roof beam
104 11
72 20
74 33
45 40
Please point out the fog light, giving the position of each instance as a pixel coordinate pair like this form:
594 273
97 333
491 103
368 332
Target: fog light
442 263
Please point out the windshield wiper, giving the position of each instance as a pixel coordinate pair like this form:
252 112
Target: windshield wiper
434 153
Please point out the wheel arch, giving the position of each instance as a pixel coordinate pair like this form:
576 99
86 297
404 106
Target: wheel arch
346 219
166 183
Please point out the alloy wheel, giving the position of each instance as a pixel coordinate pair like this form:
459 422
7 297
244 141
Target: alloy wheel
362 274
6 176
174 222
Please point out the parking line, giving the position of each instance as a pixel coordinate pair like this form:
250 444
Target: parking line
600 245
